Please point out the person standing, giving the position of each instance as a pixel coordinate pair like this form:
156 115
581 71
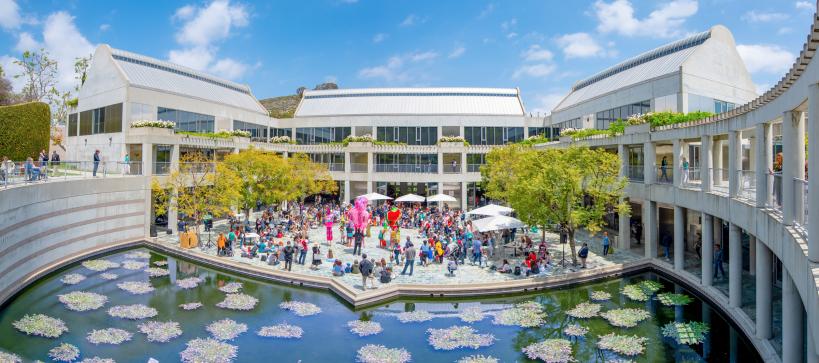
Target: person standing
126 165
302 251
409 255
664 169
366 268
476 251
358 239
718 256
55 160
583 254
606 243
96 162
288 256
316 257
685 167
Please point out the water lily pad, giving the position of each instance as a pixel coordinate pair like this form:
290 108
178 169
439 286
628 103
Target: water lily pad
416 316
132 312
625 318
136 287
226 329
109 336
41 325
456 337
82 300
72 279
208 350
584 310
551 350
364 328
285 331
300 308
238 302
528 315
628 345
158 331
63 353
372 353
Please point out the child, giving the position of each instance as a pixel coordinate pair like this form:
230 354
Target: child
452 266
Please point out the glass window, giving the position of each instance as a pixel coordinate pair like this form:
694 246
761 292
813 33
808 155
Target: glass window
85 123
113 118
73 124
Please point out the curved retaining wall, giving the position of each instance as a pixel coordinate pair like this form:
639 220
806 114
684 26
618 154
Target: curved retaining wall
44 226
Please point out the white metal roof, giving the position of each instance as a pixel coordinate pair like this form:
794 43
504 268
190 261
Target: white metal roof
152 73
649 65
411 101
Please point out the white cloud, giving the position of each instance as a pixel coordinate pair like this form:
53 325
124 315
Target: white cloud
784 30
457 52
105 27
511 35
380 37
424 56
26 42
804 5
391 71
9 70
10 15
579 45
764 58
761 88
486 11
410 20
203 29
539 70
545 103
536 53
65 43
665 21
509 24
755 16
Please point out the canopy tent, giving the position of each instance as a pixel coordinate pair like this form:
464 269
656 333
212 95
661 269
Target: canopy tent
410 198
491 210
375 196
496 223
440 197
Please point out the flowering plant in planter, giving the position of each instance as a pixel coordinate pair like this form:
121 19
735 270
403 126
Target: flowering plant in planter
456 337
72 279
280 140
226 329
156 124
132 312
285 331
584 310
529 314
372 353
625 318
41 325
551 350
82 300
108 336
63 353
416 316
690 333
136 287
208 350
459 139
160 332
628 345
364 328
238 302
300 308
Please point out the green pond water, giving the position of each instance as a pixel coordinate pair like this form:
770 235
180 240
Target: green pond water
327 338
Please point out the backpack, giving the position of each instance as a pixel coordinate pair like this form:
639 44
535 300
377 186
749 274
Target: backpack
517 271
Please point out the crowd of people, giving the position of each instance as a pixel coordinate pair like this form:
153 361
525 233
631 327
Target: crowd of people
440 236
31 169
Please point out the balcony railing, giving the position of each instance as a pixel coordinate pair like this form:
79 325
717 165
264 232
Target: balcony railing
406 168
19 172
665 174
747 184
636 173
335 166
359 168
775 190
452 169
473 168
719 180
691 178
800 195
162 167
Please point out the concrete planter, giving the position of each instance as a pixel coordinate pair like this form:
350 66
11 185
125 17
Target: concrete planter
451 145
565 139
638 129
149 131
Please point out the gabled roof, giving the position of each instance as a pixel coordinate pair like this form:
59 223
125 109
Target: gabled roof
151 73
411 101
661 61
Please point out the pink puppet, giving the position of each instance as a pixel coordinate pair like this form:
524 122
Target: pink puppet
359 215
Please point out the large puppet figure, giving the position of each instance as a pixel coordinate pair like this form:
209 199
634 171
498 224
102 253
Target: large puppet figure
359 215
394 217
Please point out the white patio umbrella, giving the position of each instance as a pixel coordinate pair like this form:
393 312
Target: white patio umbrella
440 197
496 223
410 198
491 210
375 196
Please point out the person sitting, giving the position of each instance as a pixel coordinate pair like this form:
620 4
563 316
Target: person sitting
505 268
355 269
452 266
348 269
273 259
337 269
386 275
263 247
534 269
517 270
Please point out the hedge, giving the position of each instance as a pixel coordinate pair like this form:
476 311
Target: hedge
24 130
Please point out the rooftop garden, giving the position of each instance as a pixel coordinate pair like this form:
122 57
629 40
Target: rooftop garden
655 119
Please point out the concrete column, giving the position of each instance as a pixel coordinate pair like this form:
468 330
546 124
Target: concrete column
463 196
751 255
764 281
622 152
370 171
706 162
762 163
734 266
346 196
707 249
718 232
719 170
440 161
650 228
347 166
679 238
147 159
706 318
799 169
649 161
812 357
813 201
463 163
790 132
676 162
624 231
793 316
734 162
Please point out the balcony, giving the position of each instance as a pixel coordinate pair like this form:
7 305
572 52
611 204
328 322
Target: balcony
473 168
636 173
406 168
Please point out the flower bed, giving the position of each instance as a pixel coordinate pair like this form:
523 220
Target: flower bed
108 336
161 332
551 350
231 287
132 312
458 139
285 331
364 328
456 337
157 272
82 300
134 265
479 358
72 279
41 325
280 140
600 296
584 310
136 287
99 265
63 353
690 333
575 330
208 350
372 353
472 314
416 316
155 124
189 283
528 315
238 302
628 345
191 306
226 329
625 318
300 308
669 299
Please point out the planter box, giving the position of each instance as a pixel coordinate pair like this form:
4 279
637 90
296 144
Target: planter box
359 144
565 139
638 129
451 145
149 131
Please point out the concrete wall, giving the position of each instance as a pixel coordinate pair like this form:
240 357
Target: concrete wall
46 224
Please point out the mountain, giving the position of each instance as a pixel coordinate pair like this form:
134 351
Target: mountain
285 106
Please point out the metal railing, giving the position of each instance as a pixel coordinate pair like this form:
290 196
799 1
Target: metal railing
691 178
719 180
747 184
775 190
406 168
452 169
473 168
162 167
16 172
335 166
665 174
800 195
636 173
359 167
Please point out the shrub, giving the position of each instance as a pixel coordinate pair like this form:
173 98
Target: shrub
157 124
25 129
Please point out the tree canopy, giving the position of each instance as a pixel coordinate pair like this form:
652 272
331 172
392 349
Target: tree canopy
571 188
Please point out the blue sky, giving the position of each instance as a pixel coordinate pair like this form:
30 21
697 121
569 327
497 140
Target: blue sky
540 46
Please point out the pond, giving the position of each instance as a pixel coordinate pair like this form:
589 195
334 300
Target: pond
326 336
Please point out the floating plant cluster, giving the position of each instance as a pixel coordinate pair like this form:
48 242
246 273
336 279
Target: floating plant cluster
625 318
669 299
286 331
364 328
157 272
191 305
10 358
372 353
134 265
97 360
41 325
478 358
300 308
528 315
584 310
575 330
82 300
136 287
132 312
189 283
456 337
63 353
161 332
416 316
161 263
108 336
550 350
231 287
108 276
99 265
208 350
239 302
600 296
226 329
690 333
136 255
72 279
472 314
635 292
628 345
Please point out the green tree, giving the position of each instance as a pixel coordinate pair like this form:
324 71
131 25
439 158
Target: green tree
309 178
7 95
572 188
263 177
40 74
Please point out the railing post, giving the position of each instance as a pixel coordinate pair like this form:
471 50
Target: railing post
793 129
676 163
762 163
650 160
734 162
706 162
813 197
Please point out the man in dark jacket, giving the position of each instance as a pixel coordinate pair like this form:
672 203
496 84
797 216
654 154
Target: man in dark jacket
96 161
366 268
288 256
